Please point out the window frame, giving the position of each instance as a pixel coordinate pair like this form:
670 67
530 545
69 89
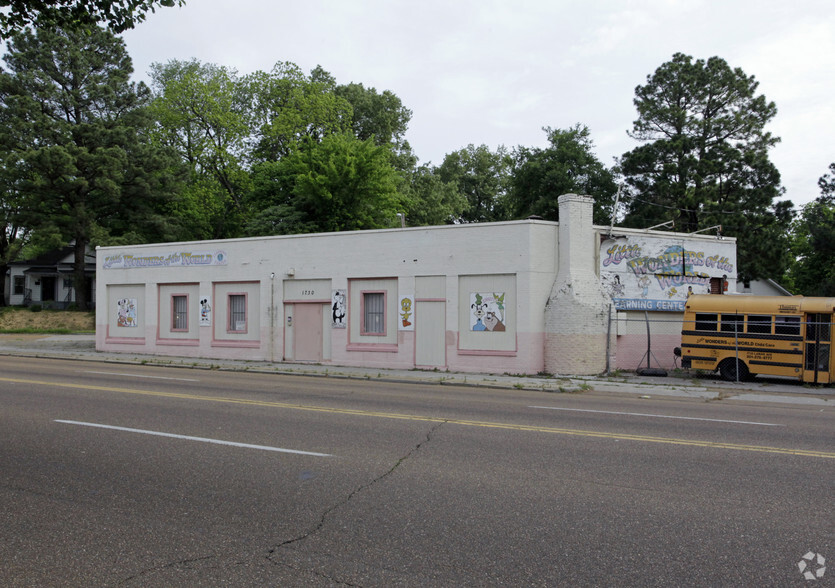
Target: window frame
230 314
760 324
175 312
732 322
706 318
21 282
787 325
364 331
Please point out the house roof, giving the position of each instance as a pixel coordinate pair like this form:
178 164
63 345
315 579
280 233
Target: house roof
52 259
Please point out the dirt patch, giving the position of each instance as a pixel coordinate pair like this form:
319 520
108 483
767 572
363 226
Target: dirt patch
15 319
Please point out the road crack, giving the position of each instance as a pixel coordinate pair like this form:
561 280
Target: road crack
326 514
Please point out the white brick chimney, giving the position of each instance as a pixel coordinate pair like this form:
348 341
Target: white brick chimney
576 314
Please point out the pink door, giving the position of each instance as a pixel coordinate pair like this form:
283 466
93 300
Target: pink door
307 335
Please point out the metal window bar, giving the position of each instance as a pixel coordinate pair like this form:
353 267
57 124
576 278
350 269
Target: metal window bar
180 313
237 312
375 312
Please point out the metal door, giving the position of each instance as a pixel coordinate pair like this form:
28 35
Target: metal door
817 352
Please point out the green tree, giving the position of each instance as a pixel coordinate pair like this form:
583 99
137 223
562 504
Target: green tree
337 184
289 107
431 201
482 176
202 111
79 146
705 162
118 15
13 235
813 272
567 166
374 115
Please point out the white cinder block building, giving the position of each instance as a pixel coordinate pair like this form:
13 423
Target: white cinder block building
511 297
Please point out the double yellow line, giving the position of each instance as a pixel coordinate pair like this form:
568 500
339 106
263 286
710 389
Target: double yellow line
451 421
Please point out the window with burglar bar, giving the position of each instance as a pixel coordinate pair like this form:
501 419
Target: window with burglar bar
179 311
237 313
374 313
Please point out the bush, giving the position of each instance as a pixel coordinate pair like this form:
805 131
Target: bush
36 308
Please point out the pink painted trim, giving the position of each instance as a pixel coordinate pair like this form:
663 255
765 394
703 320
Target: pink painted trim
430 300
229 329
180 342
363 332
487 353
383 347
174 315
123 340
308 301
248 344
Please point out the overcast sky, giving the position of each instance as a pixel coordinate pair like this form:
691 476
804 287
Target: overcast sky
496 72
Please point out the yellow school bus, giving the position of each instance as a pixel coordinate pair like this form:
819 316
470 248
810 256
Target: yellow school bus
742 336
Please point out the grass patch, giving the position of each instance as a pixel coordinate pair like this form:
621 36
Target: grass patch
18 320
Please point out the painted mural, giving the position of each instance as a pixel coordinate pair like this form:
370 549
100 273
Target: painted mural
206 311
338 299
487 311
407 313
657 274
126 314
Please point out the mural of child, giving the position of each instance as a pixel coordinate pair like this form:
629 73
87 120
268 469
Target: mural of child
644 282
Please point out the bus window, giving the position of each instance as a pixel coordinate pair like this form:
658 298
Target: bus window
787 325
732 323
705 322
759 323
817 327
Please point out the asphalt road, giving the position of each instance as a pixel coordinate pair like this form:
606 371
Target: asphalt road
130 475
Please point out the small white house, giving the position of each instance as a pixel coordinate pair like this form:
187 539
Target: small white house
48 279
517 297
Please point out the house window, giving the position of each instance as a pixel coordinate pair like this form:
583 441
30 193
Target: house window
19 285
373 313
237 313
179 310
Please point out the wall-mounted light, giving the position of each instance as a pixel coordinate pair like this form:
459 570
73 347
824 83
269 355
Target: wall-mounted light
291 272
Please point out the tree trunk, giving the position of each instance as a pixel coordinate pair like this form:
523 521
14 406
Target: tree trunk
79 278
3 269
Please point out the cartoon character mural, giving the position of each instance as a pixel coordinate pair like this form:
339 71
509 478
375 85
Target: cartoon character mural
126 315
487 311
205 312
338 309
406 313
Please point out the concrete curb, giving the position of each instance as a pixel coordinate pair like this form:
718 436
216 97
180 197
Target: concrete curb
82 347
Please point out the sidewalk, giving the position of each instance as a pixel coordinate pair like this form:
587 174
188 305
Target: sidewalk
82 347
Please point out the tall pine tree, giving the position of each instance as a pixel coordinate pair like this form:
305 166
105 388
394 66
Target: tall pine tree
704 160
75 134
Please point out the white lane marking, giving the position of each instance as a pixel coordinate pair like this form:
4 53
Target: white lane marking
202 439
661 416
142 376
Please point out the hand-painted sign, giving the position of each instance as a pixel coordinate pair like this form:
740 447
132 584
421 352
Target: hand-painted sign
658 273
178 259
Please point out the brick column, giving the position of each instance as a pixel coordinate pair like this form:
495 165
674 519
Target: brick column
576 314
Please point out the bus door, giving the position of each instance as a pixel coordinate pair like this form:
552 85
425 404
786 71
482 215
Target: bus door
817 352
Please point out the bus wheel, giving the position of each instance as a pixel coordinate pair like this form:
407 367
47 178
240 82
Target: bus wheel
734 370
